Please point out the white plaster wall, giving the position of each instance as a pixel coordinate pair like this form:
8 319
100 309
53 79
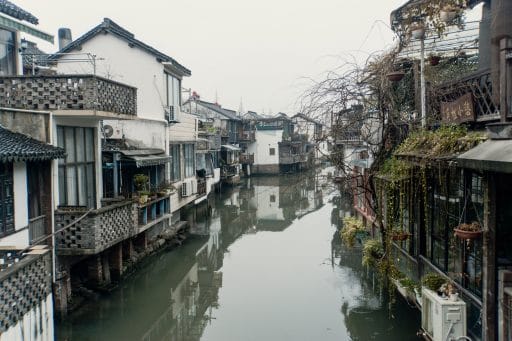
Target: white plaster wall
20 195
129 65
79 122
267 209
144 133
29 328
185 130
266 139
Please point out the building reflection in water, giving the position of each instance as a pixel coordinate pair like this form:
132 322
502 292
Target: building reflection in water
174 295
367 303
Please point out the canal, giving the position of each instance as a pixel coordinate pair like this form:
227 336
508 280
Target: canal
264 262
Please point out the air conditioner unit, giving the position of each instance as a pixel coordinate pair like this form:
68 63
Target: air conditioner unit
442 319
171 115
193 185
112 132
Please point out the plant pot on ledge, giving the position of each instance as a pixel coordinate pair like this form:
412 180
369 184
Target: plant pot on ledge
468 231
400 236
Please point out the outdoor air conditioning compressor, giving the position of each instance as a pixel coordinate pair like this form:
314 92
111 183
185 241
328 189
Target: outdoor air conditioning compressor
441 318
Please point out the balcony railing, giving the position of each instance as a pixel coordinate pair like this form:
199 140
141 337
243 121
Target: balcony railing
99 230
248 136
201 187
25 283
152 212
36 229
478 87
67 92
247 159
292 158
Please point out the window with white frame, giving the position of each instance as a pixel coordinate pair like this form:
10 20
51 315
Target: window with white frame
176 162
7 53
173 91
188 150
77 171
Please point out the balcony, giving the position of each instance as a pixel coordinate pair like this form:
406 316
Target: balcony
467 99
25 283
247 159
153 212
292 158
248 136
201 187
68 93
100 229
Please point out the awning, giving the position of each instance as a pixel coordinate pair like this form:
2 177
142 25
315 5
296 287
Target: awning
15 25
492 155
230 147
145 157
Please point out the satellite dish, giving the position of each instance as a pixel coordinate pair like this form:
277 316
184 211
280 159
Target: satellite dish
108 130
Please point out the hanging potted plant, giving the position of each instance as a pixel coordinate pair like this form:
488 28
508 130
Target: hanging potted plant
395 76
400 235
468 231
448 13
434 59
417 30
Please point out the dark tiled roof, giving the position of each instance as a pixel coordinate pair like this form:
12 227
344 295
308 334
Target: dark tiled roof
16 12
19 147
306 118
230 114
111 27
32 54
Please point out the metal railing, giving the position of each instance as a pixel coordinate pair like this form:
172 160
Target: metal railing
36 229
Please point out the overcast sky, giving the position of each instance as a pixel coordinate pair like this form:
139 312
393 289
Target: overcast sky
259 51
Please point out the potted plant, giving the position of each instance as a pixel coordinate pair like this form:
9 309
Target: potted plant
352 228
433 281
372 252
468 231
140 182
417 30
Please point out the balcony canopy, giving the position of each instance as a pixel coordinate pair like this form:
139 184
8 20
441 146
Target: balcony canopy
492 155
145 157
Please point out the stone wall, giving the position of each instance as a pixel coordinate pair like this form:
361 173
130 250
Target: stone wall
67 92
23 286
99 230
265 169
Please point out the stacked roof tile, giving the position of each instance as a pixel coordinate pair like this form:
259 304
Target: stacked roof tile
18 147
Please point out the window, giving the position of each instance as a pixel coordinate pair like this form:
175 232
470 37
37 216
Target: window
7 53
189 160
173 91
272 151
6 199
272 198
176 163
77 172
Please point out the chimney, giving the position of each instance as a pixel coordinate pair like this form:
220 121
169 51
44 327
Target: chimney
484 39
64 37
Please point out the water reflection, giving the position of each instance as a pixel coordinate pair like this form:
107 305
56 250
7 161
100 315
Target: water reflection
257 267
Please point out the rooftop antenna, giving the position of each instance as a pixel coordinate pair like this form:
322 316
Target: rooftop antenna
216 98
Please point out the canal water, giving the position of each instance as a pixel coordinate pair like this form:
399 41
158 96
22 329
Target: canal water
264 262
